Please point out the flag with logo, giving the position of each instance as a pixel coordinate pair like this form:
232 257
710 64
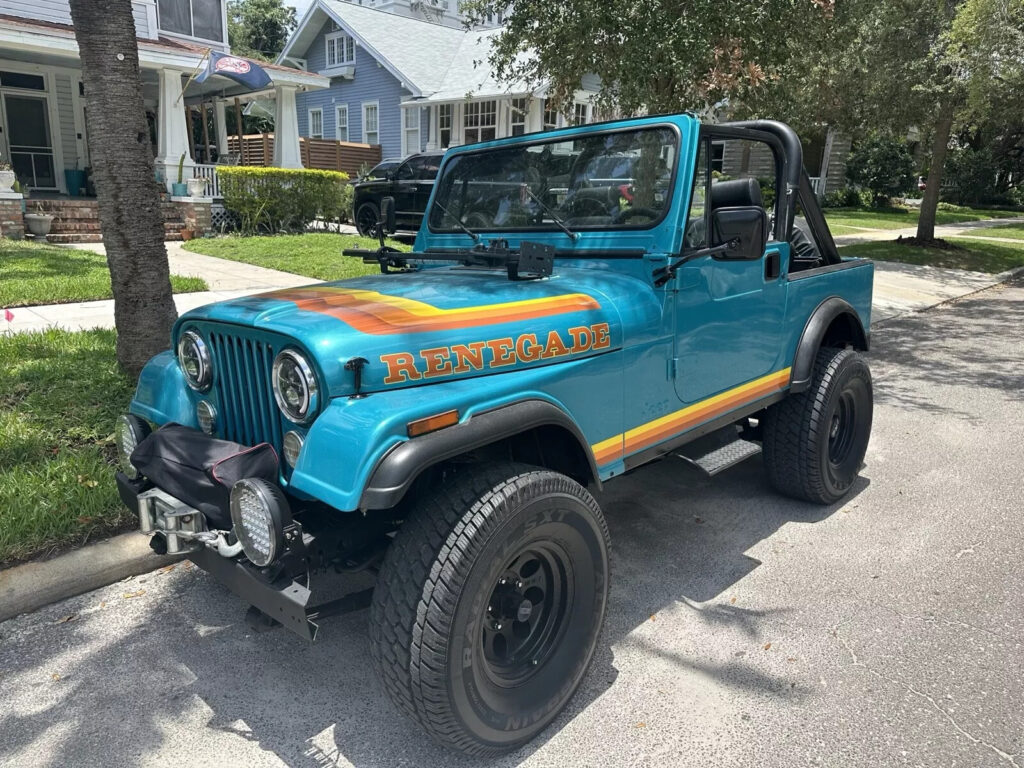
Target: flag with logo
243 71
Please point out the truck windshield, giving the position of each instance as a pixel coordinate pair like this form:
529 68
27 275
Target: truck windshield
615 180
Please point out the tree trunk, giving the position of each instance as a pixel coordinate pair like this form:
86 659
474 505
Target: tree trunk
122 161
940 143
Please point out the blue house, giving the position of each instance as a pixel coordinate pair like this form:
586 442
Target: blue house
410 83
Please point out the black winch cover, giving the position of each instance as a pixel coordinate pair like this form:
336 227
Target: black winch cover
200 470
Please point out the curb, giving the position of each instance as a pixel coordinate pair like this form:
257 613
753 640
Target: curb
31 586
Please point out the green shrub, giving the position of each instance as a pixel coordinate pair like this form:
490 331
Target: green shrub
883 166
847 197
284 199
971 173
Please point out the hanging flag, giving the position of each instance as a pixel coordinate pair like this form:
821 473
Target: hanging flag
244 71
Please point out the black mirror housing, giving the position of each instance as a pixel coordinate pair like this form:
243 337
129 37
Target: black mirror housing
387 214
748 225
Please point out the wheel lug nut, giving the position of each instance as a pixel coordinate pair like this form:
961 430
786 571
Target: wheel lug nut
502 580
519 584
497 626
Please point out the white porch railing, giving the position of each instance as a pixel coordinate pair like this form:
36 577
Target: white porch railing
818 185
209 173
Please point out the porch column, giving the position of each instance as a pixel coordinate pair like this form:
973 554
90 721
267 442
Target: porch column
220 121
172 130
535 115
287 153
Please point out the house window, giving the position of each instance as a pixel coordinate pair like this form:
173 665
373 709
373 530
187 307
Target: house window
341 49
444 124
341 122
316 123
194 18
550 116
480 121
411 129
371 126
580 113
517 117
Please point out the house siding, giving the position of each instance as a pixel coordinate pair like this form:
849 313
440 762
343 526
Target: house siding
59 12
371 82
66 119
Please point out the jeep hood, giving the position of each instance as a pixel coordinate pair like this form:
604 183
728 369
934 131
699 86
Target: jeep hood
439 324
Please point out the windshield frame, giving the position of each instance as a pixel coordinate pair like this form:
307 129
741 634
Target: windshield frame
555 137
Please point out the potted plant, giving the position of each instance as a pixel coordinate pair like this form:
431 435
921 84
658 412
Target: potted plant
7 177
75 180
39 223
186 233
196 186
180 189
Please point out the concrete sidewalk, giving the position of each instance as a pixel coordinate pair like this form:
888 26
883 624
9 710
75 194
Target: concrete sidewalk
961 229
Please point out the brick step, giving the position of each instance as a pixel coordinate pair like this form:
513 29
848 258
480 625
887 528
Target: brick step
74 214
53 205
75 237
75 226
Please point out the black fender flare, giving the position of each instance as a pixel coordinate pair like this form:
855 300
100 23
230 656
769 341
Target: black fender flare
813 334
398 468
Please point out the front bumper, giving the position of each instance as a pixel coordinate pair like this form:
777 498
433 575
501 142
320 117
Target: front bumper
272 590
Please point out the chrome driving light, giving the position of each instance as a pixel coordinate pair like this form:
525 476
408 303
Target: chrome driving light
206 415
194 359
292 447
259 512
131 430
295 387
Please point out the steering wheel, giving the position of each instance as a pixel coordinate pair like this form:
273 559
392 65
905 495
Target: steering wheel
629 213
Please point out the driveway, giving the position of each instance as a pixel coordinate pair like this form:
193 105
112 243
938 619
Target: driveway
744 629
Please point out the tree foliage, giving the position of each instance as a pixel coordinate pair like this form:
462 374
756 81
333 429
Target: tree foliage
259 28
882 165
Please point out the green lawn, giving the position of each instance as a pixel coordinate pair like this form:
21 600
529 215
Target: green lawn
33 273
60 395
859 219
1012 231
975 255
316 255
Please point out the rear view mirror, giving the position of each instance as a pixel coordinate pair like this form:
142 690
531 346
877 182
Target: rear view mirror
748 226
387 214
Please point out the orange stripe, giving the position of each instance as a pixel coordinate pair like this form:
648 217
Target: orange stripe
380 314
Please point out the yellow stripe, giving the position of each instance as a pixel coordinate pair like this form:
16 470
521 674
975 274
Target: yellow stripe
422 309
778 378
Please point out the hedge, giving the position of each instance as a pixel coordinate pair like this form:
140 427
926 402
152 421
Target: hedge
283 199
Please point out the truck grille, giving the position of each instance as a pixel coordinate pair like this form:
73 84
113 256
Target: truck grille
242 369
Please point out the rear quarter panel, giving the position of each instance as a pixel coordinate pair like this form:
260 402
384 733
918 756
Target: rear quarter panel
852 281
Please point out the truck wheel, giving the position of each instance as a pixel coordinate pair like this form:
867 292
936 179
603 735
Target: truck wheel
814 441
366 219
489 604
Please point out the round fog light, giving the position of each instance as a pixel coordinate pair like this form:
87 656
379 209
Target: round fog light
206 415
292 447
259 512
131 430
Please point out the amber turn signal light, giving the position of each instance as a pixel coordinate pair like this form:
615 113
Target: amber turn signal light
432 423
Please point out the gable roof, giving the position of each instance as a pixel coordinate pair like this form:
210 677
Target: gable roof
433 62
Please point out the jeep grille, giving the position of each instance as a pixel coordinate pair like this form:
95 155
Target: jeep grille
241 370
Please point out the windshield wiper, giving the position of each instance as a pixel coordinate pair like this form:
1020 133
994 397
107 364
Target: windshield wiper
458 222
554 217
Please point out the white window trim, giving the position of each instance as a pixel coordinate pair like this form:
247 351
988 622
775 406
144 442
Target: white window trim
338 109
406 131
366 104
49 74
338 62
223 26
310 125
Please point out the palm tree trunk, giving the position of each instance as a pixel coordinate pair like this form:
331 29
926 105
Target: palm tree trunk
940 143
122 161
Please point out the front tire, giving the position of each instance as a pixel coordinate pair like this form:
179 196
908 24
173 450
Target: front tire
367 216
815 441
489 605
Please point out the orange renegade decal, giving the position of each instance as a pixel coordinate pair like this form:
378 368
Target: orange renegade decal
494 353
657 431
380 314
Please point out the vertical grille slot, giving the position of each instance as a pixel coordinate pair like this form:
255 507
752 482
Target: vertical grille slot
243 390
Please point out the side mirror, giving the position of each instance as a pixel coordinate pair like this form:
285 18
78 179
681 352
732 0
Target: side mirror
747 225
387 215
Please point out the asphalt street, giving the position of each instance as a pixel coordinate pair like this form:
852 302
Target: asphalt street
744 629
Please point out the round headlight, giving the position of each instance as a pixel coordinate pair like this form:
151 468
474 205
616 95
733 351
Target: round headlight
295 386
194 359
258 513
131 430
206 415
292 445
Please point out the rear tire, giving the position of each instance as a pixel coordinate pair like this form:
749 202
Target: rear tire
489 605
367 216
815 441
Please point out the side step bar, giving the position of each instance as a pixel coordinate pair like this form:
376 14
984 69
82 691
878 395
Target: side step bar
718 451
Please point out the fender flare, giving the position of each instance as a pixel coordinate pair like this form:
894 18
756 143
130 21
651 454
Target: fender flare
398 468
813 334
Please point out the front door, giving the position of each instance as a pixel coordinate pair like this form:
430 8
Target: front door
729 314
29 144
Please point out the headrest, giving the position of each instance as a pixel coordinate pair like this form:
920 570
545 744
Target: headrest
737 193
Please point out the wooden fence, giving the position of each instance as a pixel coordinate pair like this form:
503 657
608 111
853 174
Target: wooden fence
327 154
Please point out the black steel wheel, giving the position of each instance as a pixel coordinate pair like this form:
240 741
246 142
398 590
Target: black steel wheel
367 217
489 606
815 441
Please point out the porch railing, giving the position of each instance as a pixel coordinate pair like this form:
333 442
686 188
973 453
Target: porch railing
209 173
818 185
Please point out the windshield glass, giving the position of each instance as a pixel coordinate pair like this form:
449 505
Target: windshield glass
614 180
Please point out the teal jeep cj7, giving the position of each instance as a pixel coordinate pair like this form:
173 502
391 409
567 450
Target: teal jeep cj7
577 303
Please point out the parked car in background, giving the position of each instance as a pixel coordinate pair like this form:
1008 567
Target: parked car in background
381 169
410 183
